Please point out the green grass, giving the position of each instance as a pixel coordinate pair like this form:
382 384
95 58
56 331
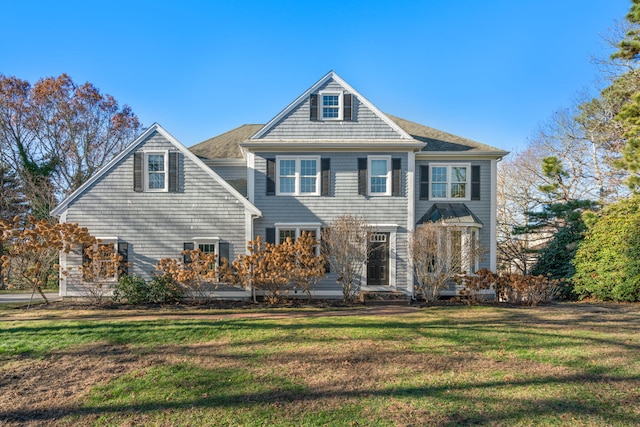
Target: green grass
561 365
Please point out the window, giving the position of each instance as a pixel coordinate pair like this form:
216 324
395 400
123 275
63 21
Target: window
155 171
207 245
298 175
450 181
379 175
294 231
331 106
104 261
459 249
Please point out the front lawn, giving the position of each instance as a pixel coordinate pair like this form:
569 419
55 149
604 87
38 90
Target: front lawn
568 364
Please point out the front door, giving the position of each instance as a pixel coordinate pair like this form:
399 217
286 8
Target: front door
378 264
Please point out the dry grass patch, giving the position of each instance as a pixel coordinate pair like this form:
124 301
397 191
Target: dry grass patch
557 365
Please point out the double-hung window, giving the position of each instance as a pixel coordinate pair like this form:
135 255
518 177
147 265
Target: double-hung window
298 175
379 175
450 181
331 106
155 171
295 231
105 260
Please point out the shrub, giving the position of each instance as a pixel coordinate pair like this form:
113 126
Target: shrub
514 288
135 290
608 260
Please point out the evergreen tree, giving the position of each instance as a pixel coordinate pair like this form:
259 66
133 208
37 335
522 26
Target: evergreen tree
12 199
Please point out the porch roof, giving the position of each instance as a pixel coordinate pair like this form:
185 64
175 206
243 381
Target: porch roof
451 214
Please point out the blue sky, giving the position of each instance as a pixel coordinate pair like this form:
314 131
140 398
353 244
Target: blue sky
487 70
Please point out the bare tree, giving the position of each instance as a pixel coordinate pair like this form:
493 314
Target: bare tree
345 243
439 253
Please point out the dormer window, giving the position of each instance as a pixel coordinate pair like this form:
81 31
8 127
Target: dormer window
331 106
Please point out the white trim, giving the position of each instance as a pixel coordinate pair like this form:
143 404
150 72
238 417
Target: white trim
346 87
392 229
327 92
248 230
353 145
58 210
297 176
411 213
62 283
251 174
449 181
299 227
463 155
387 191
145 168
493 244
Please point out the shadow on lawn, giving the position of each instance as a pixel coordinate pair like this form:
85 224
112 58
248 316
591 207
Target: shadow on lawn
228 394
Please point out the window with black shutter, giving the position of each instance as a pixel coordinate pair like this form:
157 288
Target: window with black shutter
362 176
396 177
313 107
475 182
424 182
270 236
186 257
123 252
347 109
271 177
325 183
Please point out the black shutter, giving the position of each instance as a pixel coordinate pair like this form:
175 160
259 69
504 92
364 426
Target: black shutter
313 107
187 246
324 250
123 251
424 182
271 177
86 264
224 252
362 176
347 109
174 165
270 235
475 182
138 181
396 181
325 177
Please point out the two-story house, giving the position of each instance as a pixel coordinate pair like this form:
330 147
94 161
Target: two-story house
328 153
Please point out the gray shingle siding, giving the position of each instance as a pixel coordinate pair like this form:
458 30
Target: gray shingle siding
157 224
365 124
481 208
344 199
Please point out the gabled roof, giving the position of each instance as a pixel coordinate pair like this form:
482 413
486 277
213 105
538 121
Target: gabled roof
58 210
225 146
439 141
331 75
451 214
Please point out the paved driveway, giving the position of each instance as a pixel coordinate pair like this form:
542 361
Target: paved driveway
6 298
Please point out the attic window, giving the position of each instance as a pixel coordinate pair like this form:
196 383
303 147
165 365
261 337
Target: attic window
331 106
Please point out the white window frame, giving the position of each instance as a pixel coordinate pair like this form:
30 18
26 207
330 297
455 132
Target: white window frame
340 106
387 191
449 181
165 154
298 175
299 229
107 241
215 241
468 235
